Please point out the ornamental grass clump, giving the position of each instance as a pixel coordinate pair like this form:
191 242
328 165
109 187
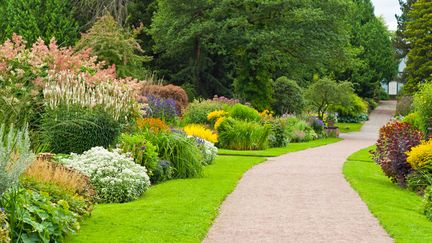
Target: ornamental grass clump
15 156
4 228
70 180
67 89
200 131
243 135
183 153
395 139
75 130
116 178
244 113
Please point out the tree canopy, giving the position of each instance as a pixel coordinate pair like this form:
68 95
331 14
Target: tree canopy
418 34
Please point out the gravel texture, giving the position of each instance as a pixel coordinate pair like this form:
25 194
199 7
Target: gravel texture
303 196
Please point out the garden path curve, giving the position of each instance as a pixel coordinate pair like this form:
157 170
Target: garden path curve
303 196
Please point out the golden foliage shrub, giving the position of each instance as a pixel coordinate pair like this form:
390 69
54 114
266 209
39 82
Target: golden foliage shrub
70 180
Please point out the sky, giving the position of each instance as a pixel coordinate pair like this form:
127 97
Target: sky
387 9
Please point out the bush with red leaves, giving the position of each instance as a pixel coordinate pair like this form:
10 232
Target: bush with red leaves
395 139
168 92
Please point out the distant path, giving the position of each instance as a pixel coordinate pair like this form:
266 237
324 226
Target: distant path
303 197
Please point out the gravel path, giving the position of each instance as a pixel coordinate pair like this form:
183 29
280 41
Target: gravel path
303 197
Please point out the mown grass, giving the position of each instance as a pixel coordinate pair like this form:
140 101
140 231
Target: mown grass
398 210
273 152
349 127
175 211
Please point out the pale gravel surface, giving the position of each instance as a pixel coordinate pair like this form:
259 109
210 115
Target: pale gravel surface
303 197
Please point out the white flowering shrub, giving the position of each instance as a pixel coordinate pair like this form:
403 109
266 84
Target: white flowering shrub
116 177
208 150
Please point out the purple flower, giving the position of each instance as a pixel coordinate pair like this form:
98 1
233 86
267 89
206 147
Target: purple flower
164 109
143 147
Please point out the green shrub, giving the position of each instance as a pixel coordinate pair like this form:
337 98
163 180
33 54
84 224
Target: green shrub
317 125
413 119
419 180
243 135
183 153
143 151
163 172
197 111
371 103
299 130
383 95
278 136
404 105
76 130
354 112
77 204
427 207
423 106
37 217
244 113
288 97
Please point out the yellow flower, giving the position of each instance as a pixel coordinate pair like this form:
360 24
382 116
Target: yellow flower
421 155
216 114
266 114
201 131
218 122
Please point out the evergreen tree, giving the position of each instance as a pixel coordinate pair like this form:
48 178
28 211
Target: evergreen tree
400 41
373 56
418 34
35 19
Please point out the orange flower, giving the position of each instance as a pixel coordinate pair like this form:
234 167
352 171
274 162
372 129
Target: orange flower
154 124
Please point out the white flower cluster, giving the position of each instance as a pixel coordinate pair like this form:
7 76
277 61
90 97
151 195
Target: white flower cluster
66 88
209 152
116 177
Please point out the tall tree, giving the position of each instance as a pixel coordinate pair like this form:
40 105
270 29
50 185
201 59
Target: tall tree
418 34
114 45
373 60
88 11
248 42
400 41
38 18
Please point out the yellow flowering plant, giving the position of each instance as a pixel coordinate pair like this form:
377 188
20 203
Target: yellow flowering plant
219 122
216 114
420 156
266 115
201 131
217 117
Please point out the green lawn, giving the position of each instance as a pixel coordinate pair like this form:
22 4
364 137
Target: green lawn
273 152
349 127
177 210
174 211
398 210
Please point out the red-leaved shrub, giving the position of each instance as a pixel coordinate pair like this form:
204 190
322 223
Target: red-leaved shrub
168 92
395 139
